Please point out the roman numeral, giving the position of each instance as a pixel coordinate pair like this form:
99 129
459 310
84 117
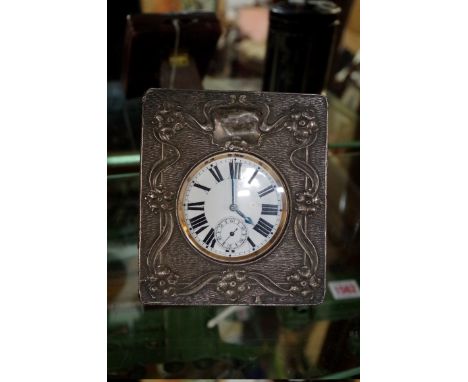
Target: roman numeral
201 229
202 187
198 221
266 191
254 175
269 209
251 242
198 206
235 169
263 227
209 239
216 173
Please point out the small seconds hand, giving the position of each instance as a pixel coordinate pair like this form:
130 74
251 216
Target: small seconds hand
230 234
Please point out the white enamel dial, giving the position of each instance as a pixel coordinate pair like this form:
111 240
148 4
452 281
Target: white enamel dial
233 207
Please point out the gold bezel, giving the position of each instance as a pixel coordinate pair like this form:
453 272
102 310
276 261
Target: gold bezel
284 213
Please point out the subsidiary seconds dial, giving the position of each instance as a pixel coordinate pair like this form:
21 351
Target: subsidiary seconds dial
233 207
231 233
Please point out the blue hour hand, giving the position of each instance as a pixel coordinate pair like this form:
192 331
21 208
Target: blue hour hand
246 218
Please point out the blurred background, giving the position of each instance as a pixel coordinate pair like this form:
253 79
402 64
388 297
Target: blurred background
285 46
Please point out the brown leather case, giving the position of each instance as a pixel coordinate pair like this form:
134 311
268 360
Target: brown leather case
149 44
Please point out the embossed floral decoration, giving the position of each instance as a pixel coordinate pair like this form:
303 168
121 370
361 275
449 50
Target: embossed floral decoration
307 203
301 124
160 199
303 282
233 284
170 120
163 282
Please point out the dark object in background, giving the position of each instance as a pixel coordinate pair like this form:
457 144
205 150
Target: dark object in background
301 42
123 120
117 11
150 46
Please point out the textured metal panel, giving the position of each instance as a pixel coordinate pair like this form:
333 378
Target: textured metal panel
180 127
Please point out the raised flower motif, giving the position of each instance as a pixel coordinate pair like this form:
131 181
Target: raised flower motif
160 199
163 282
301 124
303 282
169 122
233 284
307 203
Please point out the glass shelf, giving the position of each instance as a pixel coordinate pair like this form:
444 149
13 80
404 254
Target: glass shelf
256 342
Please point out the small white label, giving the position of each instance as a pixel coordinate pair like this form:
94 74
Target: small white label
344 289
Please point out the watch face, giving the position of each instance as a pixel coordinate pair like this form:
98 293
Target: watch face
233 207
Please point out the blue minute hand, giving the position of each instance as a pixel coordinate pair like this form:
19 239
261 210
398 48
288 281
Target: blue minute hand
233 206
233 192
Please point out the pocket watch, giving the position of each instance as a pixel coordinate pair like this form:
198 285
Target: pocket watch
233 207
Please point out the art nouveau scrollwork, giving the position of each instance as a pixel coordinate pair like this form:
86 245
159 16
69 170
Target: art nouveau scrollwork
162 280
233 123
